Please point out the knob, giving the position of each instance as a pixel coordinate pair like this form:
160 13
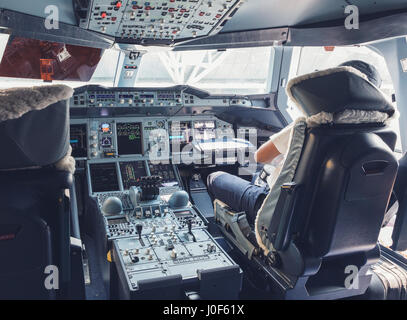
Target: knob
173 254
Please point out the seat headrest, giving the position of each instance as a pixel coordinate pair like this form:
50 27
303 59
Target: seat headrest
34 126
336 90
16 102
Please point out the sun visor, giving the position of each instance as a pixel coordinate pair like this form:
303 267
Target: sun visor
335 90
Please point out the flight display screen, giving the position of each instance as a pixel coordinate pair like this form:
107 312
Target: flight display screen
204 130
103 177
166 172
129 138
78 140
131 173
180 135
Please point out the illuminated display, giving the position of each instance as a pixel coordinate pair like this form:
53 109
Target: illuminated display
78 140
165 171
105 127
129 138
131 173
180 135
204 130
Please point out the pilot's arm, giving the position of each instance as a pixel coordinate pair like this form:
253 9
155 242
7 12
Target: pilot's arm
278 144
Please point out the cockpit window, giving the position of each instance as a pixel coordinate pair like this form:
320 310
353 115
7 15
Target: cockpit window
309 59
235 71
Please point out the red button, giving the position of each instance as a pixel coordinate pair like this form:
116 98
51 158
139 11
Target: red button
118 4
103 15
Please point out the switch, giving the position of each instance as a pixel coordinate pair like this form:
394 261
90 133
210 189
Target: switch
173 254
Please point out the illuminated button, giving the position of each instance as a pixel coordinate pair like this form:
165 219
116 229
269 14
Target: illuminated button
103 15
118 4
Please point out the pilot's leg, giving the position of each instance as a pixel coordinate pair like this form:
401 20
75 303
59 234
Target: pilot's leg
237 193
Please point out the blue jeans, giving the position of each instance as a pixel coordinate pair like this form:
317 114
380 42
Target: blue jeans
237 193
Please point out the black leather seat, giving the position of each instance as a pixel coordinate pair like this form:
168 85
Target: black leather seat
321 222
344 178
34 211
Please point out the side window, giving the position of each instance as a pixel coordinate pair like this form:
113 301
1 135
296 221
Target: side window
310 59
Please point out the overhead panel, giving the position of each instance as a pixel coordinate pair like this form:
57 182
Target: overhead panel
137 21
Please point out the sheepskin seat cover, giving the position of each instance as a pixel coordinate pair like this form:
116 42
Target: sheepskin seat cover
34 125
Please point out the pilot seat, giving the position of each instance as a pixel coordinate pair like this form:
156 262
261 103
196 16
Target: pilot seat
36 171
315 236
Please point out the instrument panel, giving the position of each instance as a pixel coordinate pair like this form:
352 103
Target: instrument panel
155 137
179 96
164 21
120 175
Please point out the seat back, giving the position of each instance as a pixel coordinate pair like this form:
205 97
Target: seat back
25 245
347 175
34 213
325 212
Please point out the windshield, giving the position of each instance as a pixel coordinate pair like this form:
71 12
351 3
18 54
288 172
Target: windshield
235 71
